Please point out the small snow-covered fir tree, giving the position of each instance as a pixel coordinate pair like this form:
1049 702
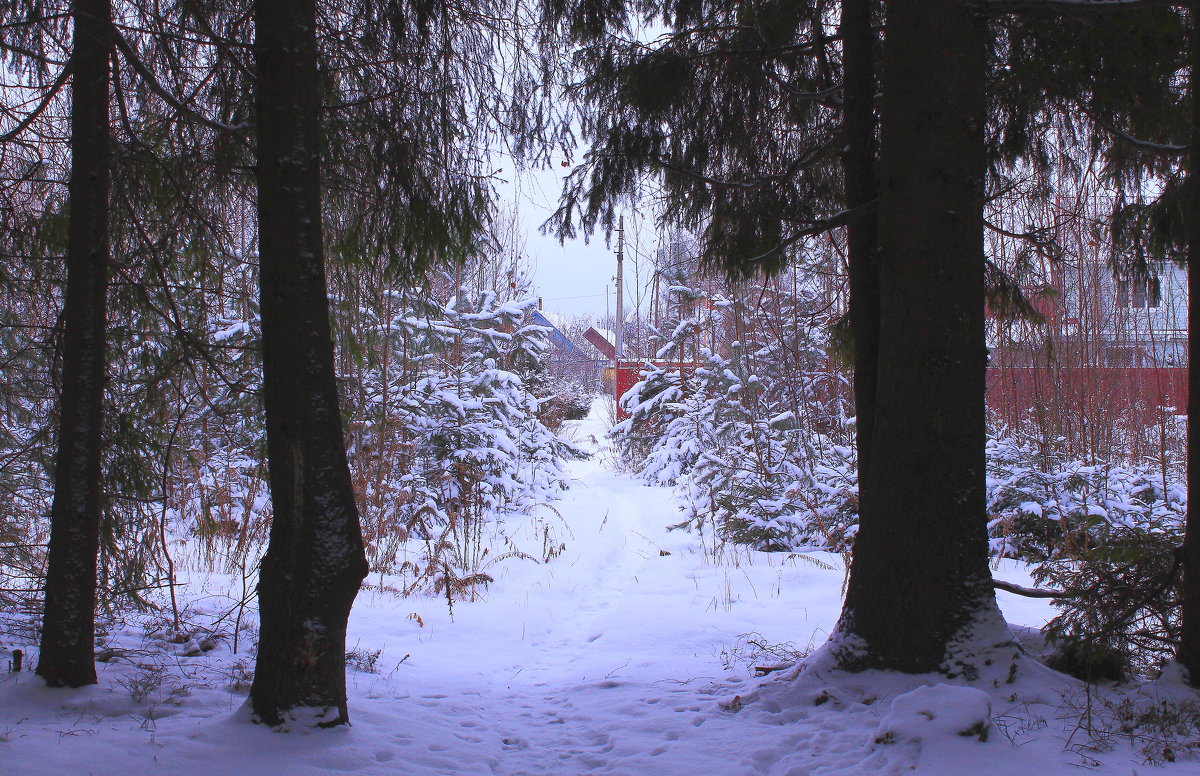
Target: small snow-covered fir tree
452 442
755 438
662 437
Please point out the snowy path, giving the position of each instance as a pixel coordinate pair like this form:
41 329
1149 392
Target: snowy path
607 660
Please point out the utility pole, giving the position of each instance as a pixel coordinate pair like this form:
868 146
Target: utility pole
620 290
620 350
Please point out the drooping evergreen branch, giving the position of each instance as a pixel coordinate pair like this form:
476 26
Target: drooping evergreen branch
1029 592
155 86
32 116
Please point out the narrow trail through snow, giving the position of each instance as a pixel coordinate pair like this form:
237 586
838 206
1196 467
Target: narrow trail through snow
608 659
626 654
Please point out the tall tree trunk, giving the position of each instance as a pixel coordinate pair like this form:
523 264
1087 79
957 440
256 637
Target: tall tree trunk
862 189
314 561
920 576
68 626
1189 642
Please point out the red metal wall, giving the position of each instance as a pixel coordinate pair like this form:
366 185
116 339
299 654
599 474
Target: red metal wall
1122 394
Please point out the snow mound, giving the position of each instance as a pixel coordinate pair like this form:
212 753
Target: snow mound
936 711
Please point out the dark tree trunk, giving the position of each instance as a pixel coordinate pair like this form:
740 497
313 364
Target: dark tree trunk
1189 641
68 627
862 189
920 575
314 562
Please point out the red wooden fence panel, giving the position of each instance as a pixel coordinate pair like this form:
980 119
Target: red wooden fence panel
1121 394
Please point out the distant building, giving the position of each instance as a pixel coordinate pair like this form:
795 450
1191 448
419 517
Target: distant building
1111 349
579 362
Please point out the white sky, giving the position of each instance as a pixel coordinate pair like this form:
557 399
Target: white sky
579 277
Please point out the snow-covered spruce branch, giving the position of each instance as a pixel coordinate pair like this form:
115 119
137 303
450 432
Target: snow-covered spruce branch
1029 592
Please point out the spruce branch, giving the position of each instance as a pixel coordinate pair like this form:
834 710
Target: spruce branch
155 86
55 88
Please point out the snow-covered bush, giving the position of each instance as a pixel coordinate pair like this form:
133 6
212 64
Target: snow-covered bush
1107 536
567 400
180 402
756 441
759 474
751 431
1043 504
447 438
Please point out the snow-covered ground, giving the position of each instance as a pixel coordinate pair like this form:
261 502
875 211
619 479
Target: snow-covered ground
630 653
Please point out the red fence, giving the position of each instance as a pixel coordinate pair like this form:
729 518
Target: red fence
1118 394
1126 396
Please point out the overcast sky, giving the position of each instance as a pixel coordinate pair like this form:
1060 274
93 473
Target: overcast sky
573 279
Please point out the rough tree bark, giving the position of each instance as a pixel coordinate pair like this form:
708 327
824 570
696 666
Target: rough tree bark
920 577
314 562
1189 641
862 189
66 658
